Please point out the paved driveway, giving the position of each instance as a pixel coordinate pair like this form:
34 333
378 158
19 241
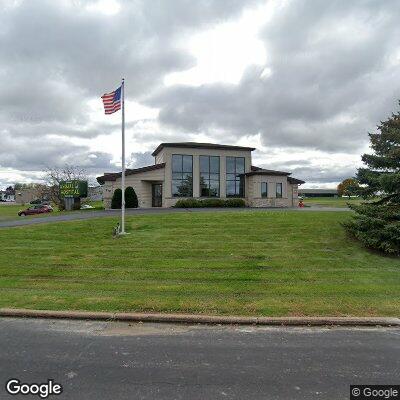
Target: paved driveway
82 215
121 361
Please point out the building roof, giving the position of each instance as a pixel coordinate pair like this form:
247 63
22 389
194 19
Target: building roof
262 171
295 181
112 176
194 145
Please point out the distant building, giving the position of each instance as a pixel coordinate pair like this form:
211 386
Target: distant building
95 193
318 192
26 195
7 195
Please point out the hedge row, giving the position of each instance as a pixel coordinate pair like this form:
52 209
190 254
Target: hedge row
194 203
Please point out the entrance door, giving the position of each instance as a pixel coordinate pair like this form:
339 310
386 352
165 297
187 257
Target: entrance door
156 195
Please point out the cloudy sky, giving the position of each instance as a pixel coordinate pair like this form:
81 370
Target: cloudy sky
301 80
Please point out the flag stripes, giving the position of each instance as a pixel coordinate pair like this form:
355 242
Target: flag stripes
112 101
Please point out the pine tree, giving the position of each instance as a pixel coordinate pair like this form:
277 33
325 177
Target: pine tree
116 201
377 223
131 200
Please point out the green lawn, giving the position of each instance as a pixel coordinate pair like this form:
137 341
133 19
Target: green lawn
243 263
10 211
331 201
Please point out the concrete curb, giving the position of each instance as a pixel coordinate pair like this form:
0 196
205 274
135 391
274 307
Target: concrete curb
202 319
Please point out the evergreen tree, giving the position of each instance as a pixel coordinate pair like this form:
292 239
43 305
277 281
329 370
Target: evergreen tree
131 200
116 201
377 223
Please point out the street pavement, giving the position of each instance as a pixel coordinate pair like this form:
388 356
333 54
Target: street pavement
83 215
115 360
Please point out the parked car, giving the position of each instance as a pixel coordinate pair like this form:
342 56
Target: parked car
86 207
40 201
36 201
35 209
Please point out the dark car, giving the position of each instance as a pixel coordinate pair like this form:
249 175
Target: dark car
40 201
36 209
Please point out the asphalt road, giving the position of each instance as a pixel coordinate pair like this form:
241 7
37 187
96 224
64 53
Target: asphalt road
109 360
82 215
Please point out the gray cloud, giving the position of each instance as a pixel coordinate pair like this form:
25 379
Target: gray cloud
332 80
55 56
314 173
323 174
36 154
138 160
79 54
334 75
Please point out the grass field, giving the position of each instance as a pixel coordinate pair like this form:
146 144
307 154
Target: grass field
331 201
249 263
10 211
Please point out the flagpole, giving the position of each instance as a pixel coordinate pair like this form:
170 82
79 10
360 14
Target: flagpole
123 159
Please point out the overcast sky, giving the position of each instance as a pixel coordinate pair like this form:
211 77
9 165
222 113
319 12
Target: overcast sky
302 81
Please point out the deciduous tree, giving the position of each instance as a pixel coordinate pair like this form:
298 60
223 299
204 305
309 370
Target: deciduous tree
348 187
52 176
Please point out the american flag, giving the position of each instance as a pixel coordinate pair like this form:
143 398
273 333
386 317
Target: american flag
112 101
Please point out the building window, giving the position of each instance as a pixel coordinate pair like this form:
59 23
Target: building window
209 176
279 190
234 177
182 175
264 189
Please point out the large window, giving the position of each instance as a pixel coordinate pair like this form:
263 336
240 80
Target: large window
264 189
234 176
182 175
209 176
279 190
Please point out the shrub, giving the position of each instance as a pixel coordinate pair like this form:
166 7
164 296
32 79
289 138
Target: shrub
195 203
131 200
212 203
116 201
187 203
235 203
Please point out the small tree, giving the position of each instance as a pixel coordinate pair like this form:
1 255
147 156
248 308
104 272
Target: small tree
116 201
131 200
377 223
10 190
54 175
348 187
